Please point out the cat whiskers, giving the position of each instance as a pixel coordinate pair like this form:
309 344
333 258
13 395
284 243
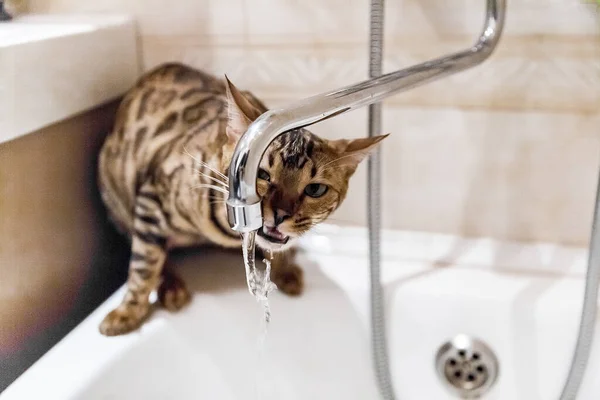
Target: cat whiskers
212 178
216 197
207 166
221 182
336 220
209 186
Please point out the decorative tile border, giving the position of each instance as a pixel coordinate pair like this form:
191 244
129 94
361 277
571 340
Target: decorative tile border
537 73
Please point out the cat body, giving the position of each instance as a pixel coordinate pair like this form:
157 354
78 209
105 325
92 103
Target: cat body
170 122
162 176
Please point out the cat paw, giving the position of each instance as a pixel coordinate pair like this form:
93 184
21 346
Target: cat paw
173 294
123 319
290 280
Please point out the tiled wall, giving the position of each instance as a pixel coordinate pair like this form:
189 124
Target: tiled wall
510 149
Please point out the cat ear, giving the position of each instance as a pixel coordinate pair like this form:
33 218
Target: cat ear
354 151
240 112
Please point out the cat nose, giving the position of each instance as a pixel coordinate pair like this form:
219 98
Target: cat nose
279 216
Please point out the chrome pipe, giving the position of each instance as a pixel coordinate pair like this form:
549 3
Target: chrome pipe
243 204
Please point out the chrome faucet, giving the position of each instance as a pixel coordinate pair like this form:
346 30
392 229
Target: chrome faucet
243 204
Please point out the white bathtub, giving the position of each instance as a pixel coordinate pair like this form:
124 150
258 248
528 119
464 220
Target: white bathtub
522 300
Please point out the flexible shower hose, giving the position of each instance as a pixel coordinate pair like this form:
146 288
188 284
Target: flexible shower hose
587 324
378 326
378 330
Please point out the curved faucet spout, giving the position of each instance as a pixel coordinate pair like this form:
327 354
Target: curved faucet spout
243 205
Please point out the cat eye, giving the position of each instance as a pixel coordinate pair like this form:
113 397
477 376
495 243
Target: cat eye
316 190
264 175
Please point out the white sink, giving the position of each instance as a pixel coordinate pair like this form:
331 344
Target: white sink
52 67
317 347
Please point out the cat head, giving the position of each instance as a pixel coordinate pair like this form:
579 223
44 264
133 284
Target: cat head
302 178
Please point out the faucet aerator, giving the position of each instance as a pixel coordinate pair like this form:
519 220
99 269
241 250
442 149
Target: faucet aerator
244 217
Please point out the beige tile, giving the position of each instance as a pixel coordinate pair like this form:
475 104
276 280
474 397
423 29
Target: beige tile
509 149
439 18
295 71
507 175
318 22
336 20
157 17
557 17
558 83
343 20
547 74
546 62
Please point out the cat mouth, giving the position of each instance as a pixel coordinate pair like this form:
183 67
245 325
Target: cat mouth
273 235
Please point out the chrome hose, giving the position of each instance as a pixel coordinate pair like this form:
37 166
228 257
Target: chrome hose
378 327
585 336
587 323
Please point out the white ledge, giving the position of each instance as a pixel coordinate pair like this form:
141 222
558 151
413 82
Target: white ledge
54 66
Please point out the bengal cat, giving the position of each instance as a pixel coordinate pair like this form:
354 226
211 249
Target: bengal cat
162 176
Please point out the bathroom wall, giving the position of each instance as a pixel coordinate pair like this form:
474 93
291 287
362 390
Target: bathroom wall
510 149
59 257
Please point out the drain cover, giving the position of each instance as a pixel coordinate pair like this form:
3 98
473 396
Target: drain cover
466 366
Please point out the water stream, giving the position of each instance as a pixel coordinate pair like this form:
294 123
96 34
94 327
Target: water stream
259 285
259 282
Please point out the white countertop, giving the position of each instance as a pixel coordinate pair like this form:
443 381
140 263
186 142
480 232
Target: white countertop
54 66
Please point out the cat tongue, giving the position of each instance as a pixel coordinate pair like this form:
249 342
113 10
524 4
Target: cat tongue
274 232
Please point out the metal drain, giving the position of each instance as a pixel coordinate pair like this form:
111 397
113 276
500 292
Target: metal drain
467 366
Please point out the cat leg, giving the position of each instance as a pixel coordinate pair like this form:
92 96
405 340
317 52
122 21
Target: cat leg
148 254
288 276
172 292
